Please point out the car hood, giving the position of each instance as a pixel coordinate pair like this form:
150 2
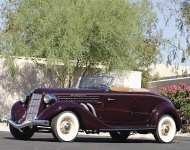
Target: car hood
65 90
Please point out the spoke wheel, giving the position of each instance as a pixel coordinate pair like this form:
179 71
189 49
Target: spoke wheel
65 126
119 135
166 129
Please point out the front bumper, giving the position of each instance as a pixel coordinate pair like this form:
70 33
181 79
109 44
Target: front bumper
28 123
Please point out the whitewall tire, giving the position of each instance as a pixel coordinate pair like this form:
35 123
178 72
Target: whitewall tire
65 126
166 129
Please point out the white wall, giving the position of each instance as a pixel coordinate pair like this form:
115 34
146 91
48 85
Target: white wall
163 70
130 79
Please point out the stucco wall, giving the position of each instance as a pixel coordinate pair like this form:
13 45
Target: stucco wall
131 79
157 85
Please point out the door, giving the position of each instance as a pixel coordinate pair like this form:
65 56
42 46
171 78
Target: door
117 109
142 109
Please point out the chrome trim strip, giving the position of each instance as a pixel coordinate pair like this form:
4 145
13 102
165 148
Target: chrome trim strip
92 109
85 107
29 123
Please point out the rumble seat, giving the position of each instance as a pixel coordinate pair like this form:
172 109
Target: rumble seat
125 89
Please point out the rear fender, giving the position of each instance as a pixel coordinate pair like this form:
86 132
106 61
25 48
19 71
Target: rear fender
163 109
18 112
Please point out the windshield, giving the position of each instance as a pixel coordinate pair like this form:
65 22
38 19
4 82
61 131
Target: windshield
95 81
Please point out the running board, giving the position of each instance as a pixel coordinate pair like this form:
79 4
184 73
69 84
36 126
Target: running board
29 123
127 129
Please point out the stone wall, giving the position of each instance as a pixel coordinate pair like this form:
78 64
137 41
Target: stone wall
28 76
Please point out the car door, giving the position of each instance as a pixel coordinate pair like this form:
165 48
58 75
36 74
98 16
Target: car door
142 108
117 109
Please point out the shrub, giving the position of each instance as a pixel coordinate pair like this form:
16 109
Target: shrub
179 94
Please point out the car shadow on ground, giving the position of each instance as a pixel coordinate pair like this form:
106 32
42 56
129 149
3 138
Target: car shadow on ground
109 140
89 140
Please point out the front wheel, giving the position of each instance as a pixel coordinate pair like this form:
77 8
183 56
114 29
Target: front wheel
23 134
119 135
166 129
65 126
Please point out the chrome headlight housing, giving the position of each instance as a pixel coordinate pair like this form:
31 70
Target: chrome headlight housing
49 98
25 97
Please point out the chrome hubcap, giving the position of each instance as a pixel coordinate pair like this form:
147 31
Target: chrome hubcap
66 125
165 128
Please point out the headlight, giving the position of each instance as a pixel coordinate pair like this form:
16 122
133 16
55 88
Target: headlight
23 98
48 98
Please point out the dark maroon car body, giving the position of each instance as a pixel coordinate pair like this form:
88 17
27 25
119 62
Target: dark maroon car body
98 110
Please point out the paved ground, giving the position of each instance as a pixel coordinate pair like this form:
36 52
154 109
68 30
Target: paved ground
46 142
3 127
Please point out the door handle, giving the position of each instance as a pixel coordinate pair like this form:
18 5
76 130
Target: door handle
111 99
98 102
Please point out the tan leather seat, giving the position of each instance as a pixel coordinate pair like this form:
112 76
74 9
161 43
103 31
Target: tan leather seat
125 89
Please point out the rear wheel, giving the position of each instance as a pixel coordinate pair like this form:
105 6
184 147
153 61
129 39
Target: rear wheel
166 129
119 135
65 126
25 133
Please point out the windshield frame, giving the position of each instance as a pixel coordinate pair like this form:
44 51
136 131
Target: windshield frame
99 78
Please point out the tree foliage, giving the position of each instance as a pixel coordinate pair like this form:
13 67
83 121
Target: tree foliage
186 19
179 10
81 34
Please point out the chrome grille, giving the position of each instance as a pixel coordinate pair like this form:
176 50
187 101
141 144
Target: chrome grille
33 107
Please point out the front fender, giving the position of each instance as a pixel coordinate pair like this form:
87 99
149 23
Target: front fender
162 109
18 112
86 118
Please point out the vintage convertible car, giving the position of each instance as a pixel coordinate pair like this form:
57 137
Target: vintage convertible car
93 108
